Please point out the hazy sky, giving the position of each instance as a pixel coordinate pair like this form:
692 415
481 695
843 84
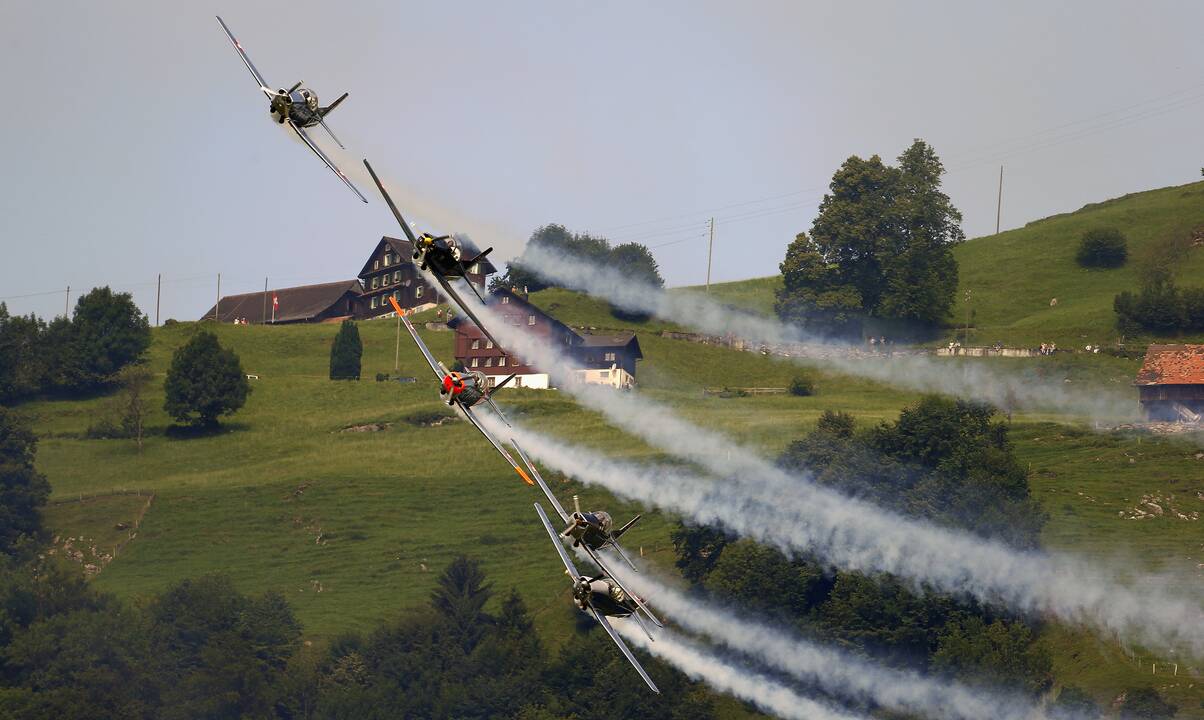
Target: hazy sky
136 143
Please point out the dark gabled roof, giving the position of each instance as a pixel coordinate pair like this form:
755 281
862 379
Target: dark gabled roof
405 250
1172 365
619 339
495 298
402 247
303 302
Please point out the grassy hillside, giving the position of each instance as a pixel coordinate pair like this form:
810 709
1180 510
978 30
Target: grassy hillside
1013 276
354 526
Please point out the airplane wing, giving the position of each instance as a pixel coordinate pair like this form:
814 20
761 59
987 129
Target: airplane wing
623 647
539 479
498 446
426 353
464 306
602 566
246 60
564 556
389 201
329 163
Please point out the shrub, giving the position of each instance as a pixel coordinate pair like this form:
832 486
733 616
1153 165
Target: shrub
802 386
345 353
1102 248
204 382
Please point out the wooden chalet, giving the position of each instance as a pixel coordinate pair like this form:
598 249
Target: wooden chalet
325 302
1171 382
609 359
604 359
477 352
390 271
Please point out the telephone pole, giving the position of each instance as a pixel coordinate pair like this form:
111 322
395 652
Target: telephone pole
263 318
158 293
67 304
999 202
217 306
710 249
397 347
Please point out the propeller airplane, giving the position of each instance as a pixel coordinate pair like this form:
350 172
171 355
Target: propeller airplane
298 108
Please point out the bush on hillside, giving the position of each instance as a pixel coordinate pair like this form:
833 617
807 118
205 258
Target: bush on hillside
1160 308
1146 704
204 382
1103 248
345 353
802 386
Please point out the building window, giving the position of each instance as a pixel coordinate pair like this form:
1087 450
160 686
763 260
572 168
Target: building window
474 361
397 276
610 357
488 344
385 280
374 303
475 269
375 282
386 260
505 299
396 294
476 344
501 362
376 264
418 292
530 319
518 382
488 362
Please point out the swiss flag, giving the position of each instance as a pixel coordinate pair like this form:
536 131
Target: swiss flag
275 301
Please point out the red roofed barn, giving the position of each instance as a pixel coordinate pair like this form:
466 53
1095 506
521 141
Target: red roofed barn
1171 382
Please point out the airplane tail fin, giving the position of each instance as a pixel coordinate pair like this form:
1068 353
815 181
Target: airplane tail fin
330 108
618 533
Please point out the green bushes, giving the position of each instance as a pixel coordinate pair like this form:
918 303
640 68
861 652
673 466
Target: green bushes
1102 248
802 386
1160 308
106 333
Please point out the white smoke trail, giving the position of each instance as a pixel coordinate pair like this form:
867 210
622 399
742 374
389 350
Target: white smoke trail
857 536
915 372
828 668
767 694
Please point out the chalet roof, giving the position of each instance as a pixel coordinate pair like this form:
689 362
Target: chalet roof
405 249
494 298
303 302
1172 365
618 339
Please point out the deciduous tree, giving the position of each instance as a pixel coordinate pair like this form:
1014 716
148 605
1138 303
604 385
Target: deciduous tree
204 382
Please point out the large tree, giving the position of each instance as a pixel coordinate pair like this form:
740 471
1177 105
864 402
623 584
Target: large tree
880 247
108 333
204 382
553 237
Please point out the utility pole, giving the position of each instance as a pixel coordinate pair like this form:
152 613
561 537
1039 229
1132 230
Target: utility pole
67 304
710 248
263 318
217 306
999 202
158 294
967 340
397 347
